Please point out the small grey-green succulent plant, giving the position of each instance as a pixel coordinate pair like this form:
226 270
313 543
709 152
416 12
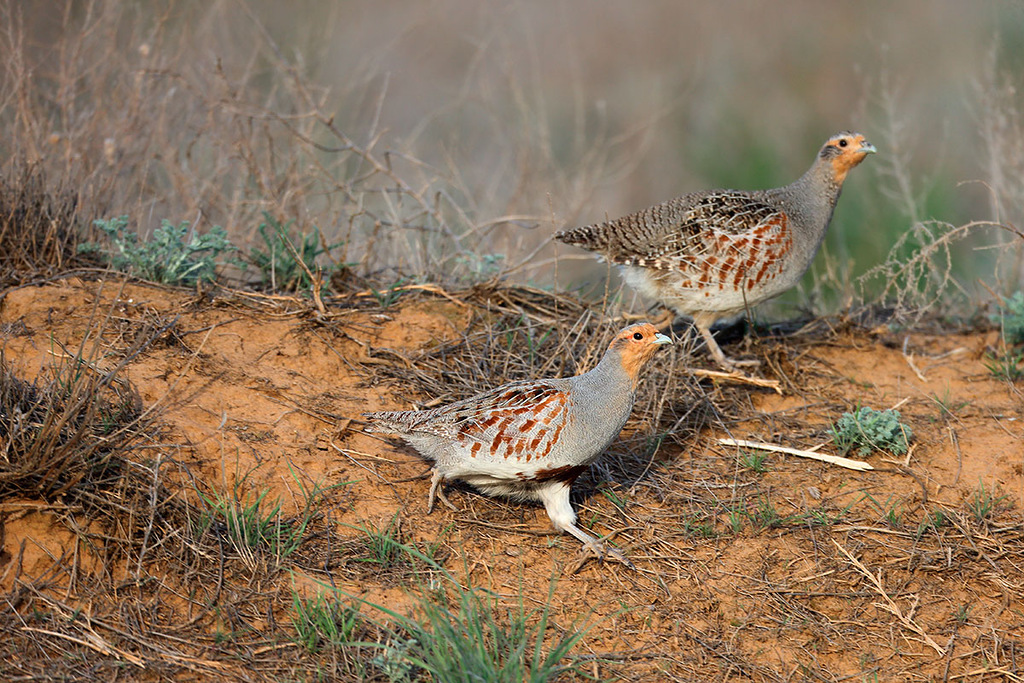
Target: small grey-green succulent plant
867 430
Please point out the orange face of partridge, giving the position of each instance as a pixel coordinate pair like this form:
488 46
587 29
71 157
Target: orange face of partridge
846 150
636 345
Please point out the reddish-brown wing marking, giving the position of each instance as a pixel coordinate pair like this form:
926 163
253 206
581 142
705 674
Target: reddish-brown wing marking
725 239
520 421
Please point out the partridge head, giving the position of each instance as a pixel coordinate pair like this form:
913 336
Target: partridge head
530 440
711 255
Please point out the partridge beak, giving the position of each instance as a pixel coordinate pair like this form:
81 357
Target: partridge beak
661 339
867 148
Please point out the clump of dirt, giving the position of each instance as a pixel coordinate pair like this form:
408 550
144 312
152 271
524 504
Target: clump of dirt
790 569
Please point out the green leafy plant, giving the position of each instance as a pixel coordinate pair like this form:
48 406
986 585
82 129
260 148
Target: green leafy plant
394 660
1011 318
286 261
175 254
867 430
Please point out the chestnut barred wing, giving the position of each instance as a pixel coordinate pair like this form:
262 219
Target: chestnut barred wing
520 422
726 240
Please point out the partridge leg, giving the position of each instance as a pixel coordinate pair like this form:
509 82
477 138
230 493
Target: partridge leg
435 492
716 351
556 502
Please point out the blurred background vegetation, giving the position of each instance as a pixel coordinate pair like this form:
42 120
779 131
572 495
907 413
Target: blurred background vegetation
449 139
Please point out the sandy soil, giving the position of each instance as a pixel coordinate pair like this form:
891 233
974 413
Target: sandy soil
735 579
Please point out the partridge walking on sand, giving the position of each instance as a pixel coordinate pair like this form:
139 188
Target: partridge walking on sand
710 255
530 440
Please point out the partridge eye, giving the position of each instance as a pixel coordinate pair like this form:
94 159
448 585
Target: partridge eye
843 143
638 335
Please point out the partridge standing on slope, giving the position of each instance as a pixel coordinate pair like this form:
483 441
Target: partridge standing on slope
710 255
529 440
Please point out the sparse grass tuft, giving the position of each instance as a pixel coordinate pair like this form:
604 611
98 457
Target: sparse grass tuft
753 460
891 511
1007 367
250 522
983 504
735 519
254 524
389 296
324 622
933 521
948 406
867 430
384 545
701 528
466 635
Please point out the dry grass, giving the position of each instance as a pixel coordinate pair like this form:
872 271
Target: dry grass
122 113
40 226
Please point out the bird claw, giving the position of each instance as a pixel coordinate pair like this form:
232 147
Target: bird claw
613 553
437 494
600 551
447 503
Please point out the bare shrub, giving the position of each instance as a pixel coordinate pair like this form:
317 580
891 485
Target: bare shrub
73 426
997 109
930 267
39 226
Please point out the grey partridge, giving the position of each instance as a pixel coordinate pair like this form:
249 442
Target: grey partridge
530 440
711 255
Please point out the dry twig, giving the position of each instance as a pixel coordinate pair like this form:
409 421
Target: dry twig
889 605
858 465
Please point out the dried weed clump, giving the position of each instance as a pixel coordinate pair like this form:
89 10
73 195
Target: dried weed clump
65 429
40 227
70 436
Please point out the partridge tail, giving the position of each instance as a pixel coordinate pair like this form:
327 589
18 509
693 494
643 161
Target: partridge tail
390 422
636 234
595 237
